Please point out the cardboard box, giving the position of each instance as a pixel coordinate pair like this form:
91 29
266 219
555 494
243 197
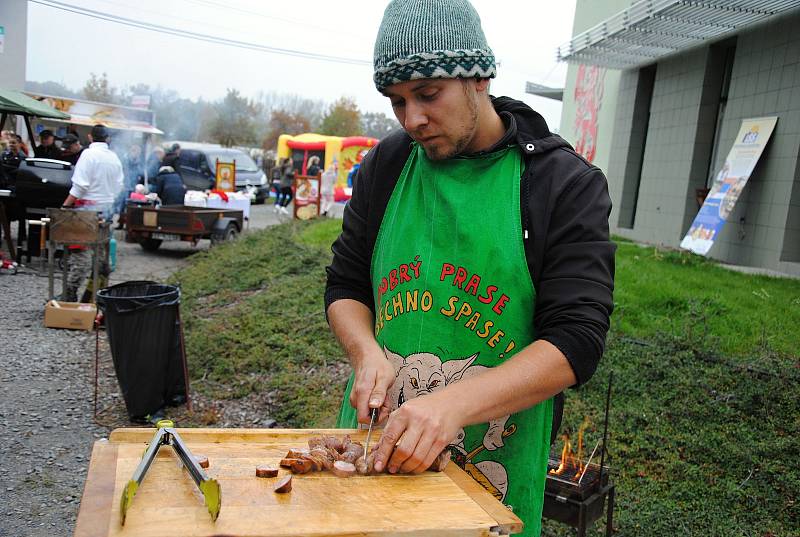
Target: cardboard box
69 315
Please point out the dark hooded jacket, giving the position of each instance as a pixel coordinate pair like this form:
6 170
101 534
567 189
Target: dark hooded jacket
169 187
565 209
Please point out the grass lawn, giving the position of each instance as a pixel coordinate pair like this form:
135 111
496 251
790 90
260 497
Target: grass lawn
705 412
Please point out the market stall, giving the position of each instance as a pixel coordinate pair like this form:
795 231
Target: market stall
15 103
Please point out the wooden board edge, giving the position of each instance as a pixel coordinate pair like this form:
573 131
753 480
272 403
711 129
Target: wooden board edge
94 514
145 434
506 520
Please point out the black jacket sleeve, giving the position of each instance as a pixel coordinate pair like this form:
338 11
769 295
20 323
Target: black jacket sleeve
575 286
349 272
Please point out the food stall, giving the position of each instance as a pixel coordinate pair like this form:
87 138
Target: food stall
14 103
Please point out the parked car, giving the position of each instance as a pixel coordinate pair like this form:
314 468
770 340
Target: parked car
198 168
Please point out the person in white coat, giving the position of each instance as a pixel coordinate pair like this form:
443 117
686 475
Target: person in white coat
96 183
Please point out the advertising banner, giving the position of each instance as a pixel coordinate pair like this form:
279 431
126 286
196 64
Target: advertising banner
306 197
728 185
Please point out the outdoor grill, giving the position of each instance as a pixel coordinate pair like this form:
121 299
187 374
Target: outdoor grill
577 497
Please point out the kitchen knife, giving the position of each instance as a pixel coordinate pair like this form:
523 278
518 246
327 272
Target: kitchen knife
374 414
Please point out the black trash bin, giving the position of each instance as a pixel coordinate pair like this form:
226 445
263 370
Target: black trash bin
142 323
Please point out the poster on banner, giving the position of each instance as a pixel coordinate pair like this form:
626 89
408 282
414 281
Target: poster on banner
226 176
728 185
2 39
306 197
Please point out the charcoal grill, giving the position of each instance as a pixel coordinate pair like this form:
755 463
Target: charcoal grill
580 502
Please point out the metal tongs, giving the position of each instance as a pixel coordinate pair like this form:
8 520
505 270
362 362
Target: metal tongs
168 436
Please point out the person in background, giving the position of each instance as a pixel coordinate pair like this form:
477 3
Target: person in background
287 180
154 163
23 146
72 149
351 175
169 186
13 156
133 168
313 166
326 189
96 182
274 176
47 146
172 158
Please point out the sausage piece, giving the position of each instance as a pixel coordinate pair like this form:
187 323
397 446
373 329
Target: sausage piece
343 469
286 463
284 485
266 471
202 461
316 462
302 466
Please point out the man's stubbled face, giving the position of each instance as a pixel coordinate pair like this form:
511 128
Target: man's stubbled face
439 114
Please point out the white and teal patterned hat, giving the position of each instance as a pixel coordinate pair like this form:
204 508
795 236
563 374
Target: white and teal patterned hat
431 39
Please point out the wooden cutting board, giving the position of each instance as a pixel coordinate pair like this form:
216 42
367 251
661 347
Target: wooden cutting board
448 503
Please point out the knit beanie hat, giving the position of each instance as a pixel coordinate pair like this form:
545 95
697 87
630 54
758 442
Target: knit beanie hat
431 39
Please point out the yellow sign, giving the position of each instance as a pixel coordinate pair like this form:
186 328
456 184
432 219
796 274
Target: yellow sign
226 176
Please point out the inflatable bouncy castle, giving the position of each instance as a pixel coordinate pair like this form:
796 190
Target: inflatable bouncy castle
345 153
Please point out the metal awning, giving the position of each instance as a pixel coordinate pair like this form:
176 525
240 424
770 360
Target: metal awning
650 30
116 124
544 91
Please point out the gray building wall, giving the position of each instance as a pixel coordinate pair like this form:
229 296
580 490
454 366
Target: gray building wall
14 20
589 13
764 229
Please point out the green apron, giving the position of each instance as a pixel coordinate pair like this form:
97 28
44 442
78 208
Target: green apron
454 297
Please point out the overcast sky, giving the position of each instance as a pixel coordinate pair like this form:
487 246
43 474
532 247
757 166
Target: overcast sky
66 47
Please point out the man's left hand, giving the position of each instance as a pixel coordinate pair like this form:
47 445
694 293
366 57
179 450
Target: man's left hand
415 435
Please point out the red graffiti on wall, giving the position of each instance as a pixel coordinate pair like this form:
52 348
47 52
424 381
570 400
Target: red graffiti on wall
588 99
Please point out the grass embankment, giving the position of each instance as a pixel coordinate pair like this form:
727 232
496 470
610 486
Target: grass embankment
705 411
254 321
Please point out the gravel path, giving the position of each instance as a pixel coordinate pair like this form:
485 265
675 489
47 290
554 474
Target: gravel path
46 387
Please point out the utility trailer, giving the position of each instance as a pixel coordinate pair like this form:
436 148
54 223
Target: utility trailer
150 226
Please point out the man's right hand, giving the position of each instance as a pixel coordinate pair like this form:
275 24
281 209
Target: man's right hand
353 324
374 376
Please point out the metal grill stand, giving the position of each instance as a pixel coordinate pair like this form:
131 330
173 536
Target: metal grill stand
580 512
580 503
71 227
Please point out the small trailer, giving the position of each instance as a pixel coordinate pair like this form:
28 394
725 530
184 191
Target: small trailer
150 226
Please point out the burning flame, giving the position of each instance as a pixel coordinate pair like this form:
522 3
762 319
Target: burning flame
570 461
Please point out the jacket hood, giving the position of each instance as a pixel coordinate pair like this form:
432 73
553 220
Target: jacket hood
532 129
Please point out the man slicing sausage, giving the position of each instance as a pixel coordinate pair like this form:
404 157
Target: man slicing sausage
474 265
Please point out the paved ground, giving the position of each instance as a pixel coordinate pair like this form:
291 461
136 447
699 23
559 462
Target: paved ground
46 387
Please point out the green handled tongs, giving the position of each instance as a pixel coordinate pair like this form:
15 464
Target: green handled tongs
167 435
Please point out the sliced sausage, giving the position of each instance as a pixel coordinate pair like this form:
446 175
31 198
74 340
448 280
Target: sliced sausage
343 469
202 460
266 471
302 466
286 463
284 485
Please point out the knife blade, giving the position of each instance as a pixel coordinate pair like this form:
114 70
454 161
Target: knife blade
374 414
